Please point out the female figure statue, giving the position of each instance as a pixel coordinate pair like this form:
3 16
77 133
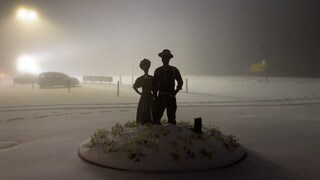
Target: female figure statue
145 110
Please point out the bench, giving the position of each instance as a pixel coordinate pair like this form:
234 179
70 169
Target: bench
97 79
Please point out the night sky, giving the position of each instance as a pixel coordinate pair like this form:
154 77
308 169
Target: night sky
207 37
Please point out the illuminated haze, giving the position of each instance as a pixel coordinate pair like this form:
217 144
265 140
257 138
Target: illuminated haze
207 37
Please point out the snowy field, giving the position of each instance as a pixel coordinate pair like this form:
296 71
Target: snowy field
277 122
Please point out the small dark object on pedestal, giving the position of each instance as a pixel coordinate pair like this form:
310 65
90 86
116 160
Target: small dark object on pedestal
197 125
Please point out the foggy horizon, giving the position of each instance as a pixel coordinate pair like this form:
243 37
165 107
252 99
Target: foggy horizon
206 37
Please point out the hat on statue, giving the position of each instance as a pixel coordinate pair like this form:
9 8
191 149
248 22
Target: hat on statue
165 53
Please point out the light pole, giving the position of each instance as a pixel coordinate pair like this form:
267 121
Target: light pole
132 74
264 62
26 16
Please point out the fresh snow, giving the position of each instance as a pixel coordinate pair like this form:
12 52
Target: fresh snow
161 148
277 122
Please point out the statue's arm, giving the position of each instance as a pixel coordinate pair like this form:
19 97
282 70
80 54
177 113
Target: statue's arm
179 81
136 86
136 89
155 84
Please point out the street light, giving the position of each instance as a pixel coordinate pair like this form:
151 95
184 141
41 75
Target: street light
27 64
27 15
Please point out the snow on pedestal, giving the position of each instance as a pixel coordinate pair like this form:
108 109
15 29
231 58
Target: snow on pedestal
161 148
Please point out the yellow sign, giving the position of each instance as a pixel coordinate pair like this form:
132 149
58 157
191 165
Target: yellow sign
257 67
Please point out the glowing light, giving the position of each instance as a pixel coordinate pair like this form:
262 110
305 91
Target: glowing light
26 64
22 13
33 15
27 15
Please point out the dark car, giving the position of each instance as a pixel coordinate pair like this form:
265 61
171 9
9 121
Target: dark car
50 79
25 79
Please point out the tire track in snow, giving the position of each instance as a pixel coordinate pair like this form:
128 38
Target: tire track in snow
276 102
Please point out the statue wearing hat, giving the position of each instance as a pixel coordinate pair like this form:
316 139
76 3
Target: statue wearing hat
145 110
164 89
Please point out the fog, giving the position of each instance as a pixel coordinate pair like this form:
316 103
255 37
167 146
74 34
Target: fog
226 52
206 37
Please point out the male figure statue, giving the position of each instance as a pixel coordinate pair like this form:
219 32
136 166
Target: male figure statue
164 90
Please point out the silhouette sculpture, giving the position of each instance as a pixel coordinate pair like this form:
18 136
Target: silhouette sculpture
145 110
164 90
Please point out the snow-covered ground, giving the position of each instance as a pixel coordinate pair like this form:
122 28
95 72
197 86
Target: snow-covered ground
277 122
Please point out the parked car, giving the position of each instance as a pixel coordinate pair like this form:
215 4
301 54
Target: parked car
25 79
50 79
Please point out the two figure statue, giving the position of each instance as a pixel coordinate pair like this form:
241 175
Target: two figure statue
158 92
